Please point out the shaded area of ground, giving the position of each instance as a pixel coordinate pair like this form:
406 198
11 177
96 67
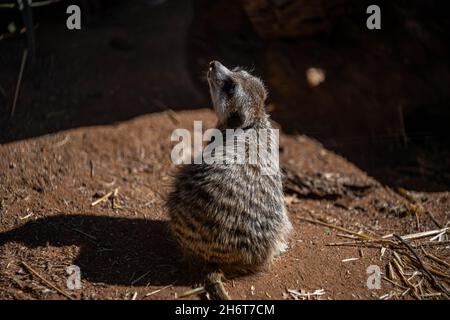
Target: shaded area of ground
128 60
123 248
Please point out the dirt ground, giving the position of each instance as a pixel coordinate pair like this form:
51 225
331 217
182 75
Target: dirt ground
48 222
95 115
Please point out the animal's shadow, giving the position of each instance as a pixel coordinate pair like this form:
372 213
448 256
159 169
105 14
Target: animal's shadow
116 251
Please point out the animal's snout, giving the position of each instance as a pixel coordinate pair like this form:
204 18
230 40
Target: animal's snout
212 65
217 70
216 67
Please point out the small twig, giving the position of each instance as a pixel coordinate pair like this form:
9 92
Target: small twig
416 214
19 81
433 294
192 292
104 198
115 205
141 277
391 271
44 3
343 235
432 217
173 116
355 244
359 235
63 141
35 273
296 294
91 164
402 276
374 244
170 113
27 216
33 4
438 260
418 235
7 5
386 296
394 283
158 290
438 237
84 234
434 244
413 261
430 275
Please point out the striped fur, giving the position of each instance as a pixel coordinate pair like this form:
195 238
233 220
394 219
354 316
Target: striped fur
231 215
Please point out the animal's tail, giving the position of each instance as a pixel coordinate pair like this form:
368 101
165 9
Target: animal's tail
214 286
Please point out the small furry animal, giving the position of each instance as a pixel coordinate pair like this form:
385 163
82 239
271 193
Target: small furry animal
231 217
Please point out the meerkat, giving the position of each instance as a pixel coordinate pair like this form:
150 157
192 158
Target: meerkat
231 217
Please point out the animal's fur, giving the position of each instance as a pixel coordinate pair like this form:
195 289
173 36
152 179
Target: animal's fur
232 216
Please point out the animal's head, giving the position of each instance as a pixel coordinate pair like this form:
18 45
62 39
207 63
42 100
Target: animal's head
238 97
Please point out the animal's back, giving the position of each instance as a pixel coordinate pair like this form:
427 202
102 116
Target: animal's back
229 214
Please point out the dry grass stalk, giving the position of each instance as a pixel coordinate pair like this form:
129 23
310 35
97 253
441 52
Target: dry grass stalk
158 290
104 198
438 285
347 236
141 277
112 194
48 283
305 295
406 291
19 81
413 262
433 294
360 243
85 234
389 295
391 272
405 281
399 260
418 235
173 116
356 234
394 283
438 237
115 205
188 293
436 259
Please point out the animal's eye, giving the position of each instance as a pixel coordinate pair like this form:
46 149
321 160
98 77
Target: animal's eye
228 87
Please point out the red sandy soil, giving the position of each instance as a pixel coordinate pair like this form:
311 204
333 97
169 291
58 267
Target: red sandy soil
47 185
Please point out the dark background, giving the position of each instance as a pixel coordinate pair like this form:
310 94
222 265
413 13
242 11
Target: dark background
384 103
